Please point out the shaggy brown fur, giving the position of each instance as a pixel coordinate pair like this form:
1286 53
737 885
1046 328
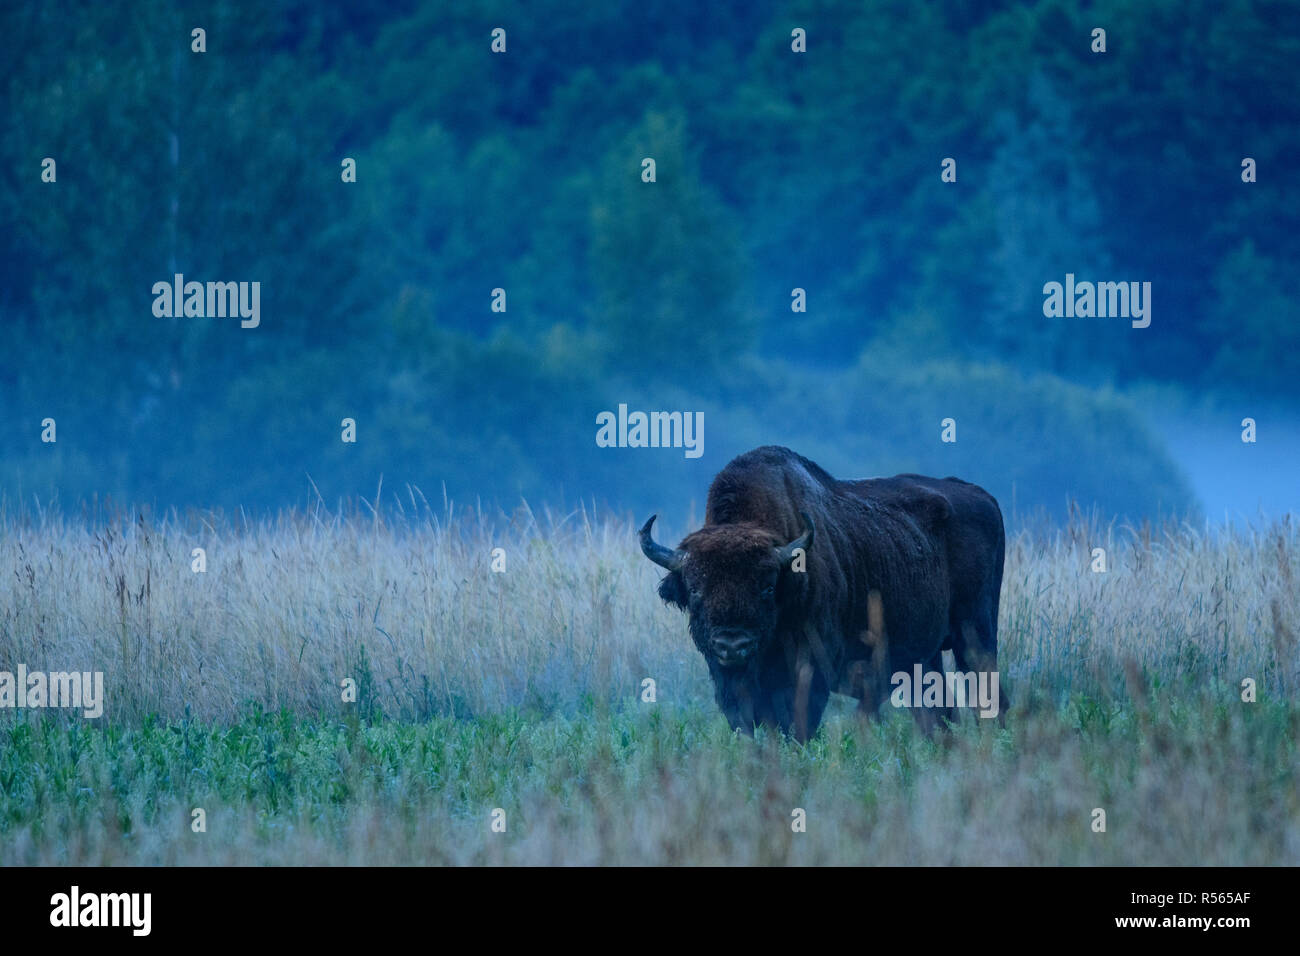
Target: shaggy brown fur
778 640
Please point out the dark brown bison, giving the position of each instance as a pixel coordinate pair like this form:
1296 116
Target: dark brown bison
800 584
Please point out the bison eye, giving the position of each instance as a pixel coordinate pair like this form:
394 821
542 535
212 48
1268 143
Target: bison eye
768 591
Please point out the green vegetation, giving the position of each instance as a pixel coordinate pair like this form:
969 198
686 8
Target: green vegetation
521 690
1205 781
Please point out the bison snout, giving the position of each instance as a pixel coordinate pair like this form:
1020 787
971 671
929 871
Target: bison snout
732 647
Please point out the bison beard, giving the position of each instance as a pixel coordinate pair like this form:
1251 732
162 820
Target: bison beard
799 585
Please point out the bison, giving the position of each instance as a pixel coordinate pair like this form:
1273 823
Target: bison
799 585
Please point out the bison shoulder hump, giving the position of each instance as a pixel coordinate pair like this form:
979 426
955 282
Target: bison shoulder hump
931 508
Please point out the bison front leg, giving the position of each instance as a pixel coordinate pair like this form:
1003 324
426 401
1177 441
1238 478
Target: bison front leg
771 699
868 676
747 706
736 695
796 707
933 718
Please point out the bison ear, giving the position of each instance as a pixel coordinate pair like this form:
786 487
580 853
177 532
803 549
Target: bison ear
672 589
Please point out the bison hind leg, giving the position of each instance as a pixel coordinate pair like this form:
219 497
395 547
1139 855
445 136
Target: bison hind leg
930 719
976 649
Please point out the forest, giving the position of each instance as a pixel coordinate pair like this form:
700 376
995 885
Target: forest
494 272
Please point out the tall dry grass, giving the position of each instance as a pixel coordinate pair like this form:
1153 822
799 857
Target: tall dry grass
1127 683
405 602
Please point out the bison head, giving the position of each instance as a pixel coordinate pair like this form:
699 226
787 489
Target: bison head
734 581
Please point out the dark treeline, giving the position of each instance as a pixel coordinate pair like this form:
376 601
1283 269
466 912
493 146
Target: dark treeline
522 171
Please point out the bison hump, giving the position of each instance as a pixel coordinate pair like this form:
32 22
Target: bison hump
930 508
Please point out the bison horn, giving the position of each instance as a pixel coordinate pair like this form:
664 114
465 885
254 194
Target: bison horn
803 542
664 557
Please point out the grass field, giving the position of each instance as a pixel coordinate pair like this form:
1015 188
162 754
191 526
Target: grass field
520 690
